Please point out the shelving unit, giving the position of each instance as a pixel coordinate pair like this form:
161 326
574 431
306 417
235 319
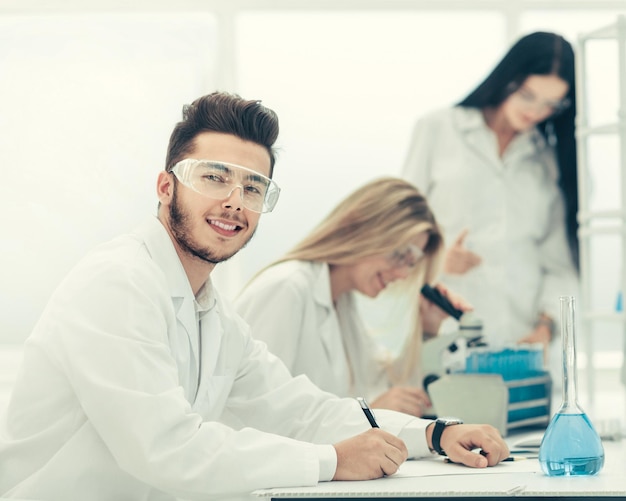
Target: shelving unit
594 223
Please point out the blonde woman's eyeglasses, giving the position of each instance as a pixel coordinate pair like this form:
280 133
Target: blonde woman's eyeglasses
407 256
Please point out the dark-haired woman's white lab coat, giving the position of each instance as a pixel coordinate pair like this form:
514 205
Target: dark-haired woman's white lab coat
513 210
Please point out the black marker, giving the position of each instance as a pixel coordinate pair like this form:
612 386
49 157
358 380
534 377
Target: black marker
367 412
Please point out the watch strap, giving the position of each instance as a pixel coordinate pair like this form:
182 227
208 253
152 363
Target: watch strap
440 425
436 439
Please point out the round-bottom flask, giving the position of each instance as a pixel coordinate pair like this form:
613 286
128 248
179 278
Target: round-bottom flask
570 446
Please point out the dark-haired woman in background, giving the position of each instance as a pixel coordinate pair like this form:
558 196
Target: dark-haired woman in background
499 170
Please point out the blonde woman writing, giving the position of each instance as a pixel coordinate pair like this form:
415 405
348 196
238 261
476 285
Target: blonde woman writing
303 305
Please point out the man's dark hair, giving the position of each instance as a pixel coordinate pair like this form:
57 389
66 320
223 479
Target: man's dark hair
226 113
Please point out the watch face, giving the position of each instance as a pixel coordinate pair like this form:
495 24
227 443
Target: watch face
449 420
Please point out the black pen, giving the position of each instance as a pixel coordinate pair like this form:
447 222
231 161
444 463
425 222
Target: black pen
505 460
367 412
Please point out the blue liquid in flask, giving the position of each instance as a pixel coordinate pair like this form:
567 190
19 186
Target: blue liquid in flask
570 446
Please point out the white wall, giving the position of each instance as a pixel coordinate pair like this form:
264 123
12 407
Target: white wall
87 105
88 101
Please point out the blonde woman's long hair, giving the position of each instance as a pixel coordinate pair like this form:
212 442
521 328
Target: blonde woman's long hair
383 215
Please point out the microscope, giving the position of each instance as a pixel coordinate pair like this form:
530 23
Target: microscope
464 377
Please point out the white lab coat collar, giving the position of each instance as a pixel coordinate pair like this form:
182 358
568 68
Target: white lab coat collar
161 248
471 121
340 325
163 252
322 292
329 328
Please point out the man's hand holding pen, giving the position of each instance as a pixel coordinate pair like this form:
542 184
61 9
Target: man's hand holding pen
376 453
372 454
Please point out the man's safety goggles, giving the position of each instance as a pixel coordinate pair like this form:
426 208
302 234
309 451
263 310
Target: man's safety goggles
217 180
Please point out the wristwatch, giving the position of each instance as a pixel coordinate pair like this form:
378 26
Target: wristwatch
440 425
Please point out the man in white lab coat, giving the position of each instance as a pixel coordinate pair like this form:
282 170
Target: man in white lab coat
139 382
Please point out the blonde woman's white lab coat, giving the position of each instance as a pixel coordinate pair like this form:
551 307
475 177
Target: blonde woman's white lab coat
513 209
125 393
289 306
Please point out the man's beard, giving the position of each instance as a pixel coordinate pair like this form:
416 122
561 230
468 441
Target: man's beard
180 225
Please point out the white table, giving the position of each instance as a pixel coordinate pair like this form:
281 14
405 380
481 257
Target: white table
526 481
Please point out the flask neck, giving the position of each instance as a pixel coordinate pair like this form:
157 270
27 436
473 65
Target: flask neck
568 339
